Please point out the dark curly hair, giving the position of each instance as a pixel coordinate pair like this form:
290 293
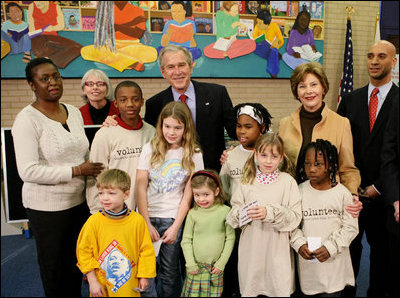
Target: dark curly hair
259 110
331 159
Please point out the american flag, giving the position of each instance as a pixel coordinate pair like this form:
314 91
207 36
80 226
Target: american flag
346 84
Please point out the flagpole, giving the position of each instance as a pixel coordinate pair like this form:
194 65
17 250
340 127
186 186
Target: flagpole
346 81
376 26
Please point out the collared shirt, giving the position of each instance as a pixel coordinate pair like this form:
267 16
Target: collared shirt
383 92
190 101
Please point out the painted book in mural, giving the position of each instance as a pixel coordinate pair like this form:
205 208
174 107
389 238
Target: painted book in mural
88 23
72 18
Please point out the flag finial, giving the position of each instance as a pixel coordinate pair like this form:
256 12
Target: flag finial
350 10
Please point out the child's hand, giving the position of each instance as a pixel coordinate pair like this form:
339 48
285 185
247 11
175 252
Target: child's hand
314 49
322 254
296 55
257 212
95 288
153 233
170 235
194 272
143 284
110 121
215 270
305 252
275 43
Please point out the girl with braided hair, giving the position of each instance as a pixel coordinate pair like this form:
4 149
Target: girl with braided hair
330 155
324 267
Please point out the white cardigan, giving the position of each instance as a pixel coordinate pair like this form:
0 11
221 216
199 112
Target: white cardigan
45 153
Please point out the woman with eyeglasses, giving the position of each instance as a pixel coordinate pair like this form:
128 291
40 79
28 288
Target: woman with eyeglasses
51 149
98 94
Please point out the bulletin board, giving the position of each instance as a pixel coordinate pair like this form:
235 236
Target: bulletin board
203 16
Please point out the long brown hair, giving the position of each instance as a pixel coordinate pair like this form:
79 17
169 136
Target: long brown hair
180 112
210 179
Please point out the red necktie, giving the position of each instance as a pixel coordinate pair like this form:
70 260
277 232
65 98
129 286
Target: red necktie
372 108
183 98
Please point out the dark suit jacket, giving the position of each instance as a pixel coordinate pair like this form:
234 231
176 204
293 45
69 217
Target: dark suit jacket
367 146
390 156
214 112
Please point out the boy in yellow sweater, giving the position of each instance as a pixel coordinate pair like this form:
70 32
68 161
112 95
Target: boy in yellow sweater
114 247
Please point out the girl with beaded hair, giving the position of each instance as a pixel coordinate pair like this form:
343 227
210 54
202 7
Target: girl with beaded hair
324 221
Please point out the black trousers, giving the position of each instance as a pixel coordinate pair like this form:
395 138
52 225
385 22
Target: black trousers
393 255
372 221
56 234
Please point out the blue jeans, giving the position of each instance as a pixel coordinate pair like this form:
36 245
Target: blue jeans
263 49
168 282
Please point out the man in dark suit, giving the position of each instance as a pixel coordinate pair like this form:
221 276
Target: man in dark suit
367 109
390 172
210 104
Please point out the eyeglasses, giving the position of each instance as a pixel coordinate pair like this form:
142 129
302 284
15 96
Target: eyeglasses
98 84
47 79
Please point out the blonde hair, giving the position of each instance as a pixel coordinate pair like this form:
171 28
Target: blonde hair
266 140
300 71
180 112
114 179
209 178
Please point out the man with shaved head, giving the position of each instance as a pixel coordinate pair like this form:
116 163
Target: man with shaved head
368 109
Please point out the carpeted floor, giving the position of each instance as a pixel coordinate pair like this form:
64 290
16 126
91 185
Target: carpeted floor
20 275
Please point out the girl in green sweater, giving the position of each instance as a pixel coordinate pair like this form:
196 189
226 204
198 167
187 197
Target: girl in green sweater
205 224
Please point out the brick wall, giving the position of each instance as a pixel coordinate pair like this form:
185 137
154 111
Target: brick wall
274 94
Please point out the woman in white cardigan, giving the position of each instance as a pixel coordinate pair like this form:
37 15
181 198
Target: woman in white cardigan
51 149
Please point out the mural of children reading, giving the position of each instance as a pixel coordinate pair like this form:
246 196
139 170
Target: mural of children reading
227 22
180 30
15 32
301 45
269 40
129 25
45 19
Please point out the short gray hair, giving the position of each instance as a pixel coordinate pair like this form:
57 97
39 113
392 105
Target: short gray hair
102 76
174 48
